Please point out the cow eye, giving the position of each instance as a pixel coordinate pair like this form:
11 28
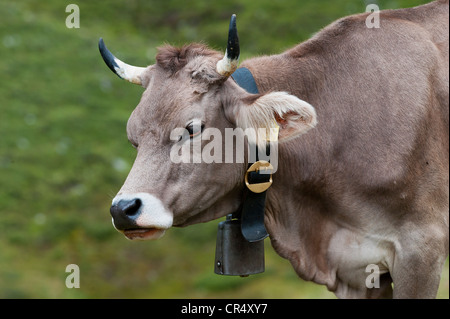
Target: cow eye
195 128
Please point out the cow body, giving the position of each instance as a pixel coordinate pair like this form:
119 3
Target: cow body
367 187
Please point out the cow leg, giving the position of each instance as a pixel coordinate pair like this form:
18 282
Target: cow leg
414 278
418 264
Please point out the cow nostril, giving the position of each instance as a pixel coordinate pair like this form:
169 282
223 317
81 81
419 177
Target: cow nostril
131 207
126 208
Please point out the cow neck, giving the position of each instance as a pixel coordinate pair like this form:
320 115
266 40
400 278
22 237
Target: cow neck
252 210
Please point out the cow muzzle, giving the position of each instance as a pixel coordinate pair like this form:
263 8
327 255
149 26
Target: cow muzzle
140 216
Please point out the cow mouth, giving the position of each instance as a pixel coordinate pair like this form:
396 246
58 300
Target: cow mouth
144 233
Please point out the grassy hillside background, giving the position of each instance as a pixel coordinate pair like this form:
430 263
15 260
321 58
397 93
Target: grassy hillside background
64 151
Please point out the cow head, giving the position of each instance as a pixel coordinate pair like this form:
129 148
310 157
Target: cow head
189 91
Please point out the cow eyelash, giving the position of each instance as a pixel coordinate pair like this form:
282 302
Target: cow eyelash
194 129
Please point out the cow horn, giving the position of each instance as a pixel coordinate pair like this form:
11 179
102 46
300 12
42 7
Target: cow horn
124 71
230 61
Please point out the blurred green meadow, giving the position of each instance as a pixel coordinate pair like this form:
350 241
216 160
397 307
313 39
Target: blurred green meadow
64 151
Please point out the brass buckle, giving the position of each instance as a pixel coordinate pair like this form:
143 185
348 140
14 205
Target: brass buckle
258 166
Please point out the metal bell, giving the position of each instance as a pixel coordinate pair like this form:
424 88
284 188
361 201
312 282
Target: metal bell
235 256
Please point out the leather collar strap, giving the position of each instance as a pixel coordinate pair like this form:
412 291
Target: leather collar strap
252 213
244 78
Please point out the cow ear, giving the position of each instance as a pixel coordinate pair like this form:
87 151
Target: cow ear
290 114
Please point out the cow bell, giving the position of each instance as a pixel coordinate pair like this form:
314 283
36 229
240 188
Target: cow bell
235 256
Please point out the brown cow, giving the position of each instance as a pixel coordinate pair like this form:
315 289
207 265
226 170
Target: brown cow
367 186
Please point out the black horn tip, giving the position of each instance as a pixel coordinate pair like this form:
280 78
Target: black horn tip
233 50
107 56
233 20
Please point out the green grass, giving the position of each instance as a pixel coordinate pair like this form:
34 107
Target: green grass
64 152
